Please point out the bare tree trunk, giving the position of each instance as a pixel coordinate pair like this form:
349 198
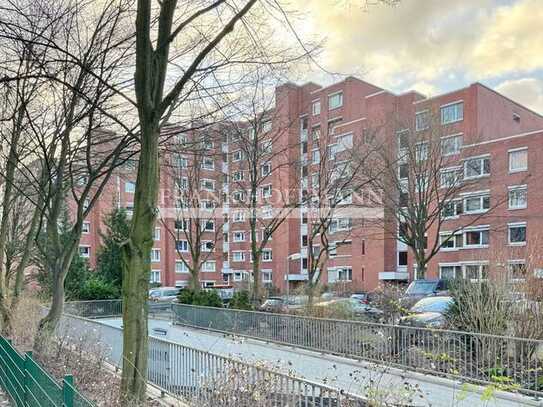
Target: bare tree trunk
137 268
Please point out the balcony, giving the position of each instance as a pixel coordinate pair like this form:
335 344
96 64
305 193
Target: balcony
394 275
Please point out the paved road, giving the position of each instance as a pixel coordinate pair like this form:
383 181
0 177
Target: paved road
348 374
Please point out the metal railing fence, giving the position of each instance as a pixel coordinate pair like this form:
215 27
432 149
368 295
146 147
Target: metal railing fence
29 385
209 380
509 362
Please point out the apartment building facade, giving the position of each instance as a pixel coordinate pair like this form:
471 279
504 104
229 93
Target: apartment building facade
489 139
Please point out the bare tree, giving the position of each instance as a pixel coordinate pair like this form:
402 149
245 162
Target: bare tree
419 181
197 225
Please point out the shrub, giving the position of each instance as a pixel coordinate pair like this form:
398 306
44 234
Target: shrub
95 288
206 298
241 300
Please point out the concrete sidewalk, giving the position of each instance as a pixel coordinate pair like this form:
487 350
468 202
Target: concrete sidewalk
351 375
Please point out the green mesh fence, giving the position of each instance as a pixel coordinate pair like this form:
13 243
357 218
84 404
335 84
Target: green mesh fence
29 385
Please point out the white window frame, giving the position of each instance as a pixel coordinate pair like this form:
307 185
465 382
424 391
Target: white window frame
480 195
238 176
203 225
183 269
204 184
458 273
184 245
481 160
264 190
457 203
204 246
479 229
457 145
510 154
267 126
452 239
88 251
86 227
206 268
153 275
205 163
517 225
265 273
234 240
154 257
516 262
422 113
238 216
238 256
267 255
316 107
267 212
343 142
131 189
459 118
332 97
480 265
156 234
451 184
265 169
235 156
514 189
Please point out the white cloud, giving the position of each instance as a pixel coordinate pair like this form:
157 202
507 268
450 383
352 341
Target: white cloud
526 91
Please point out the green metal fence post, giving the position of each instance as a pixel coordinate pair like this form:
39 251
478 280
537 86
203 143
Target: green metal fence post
68 391
26 380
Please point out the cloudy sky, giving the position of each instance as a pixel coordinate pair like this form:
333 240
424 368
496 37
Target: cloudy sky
433 46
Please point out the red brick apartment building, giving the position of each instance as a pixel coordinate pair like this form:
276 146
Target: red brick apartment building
495 142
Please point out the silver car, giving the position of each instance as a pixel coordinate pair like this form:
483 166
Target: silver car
164 294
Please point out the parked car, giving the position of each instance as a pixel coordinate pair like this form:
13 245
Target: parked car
419 289
164 294
296 304
354 306
362 297
274 304
428 312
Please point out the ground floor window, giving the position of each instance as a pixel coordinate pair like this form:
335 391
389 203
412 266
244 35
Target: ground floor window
155 276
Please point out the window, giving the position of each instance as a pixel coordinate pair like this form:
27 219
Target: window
517 233
156 234
450 272
181 162
265 169
130 187
316 156
402 259
239 196
237 155
452 209
86 227
208 226
238 236
207 246
238 256
516 270
422 120
154 277
266 255
84 251
518 160
181 224
267 191
345 198
335 100
266 126
339 224
208 266
403 139
451 145
344 142
453 112
238 176
181 267
403 199
267 212
403 171
316 133
476 238
266 276
475 272
333 123
421 151
86 204
477 167
345 274
208 163
477 203
239 216
207 204
450 177
182 245
316 107
518 197
266 147
208 184
207 145
155 255
448 241
183 183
